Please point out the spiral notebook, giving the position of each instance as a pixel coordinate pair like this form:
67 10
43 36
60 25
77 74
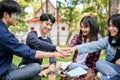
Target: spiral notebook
76 72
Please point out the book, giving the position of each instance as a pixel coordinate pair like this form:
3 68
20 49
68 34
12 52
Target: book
76 72
64 65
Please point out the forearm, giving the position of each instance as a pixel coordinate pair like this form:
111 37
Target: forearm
41 54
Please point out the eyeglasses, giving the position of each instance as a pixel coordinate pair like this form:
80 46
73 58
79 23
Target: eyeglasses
17 15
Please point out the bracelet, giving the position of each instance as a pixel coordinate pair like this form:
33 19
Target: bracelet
52 72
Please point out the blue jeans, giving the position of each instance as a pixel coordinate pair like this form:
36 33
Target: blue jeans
24 73
108 68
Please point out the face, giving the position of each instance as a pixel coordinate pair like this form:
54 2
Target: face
85 30
45 27
112 29
11 20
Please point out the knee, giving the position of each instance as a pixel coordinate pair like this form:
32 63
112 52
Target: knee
99 63
36 67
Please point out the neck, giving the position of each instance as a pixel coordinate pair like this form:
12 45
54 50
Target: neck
42 34
4 21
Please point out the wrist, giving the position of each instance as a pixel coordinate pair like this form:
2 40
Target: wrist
57 48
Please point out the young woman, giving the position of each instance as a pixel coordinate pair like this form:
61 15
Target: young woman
111 66
88 33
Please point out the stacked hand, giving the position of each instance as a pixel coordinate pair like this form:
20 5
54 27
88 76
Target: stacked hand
64 52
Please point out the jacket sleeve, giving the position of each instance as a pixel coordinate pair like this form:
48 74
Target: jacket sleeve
11 45
93 46
32 39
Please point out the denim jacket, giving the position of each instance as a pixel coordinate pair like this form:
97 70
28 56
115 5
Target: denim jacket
99 45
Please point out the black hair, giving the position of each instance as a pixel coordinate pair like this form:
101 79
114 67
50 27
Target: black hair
9 6
90 21
46 17
115 19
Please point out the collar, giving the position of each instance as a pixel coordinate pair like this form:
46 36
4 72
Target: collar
39 35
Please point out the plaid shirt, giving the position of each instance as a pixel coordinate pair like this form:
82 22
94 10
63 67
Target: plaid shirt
91 58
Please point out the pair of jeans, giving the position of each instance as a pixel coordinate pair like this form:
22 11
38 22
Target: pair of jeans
108 69
24 73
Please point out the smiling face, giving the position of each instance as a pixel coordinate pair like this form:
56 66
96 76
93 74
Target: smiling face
85 29
10 19
45 27
112 29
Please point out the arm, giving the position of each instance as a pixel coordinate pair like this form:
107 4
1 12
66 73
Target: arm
12 45
32 39
92 46
75 41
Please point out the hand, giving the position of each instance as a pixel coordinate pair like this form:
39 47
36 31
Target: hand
59 55
58 49
63 51
51 67
117 62
70 49
44 72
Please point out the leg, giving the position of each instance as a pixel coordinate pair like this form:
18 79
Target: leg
22 73
107 68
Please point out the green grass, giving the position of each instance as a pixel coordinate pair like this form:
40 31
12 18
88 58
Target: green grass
16 60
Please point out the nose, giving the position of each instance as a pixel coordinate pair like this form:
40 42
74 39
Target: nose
49 27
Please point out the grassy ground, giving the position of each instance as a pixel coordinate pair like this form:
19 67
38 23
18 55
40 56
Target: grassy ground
17 60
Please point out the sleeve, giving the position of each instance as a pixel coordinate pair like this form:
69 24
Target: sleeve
93 46
11 44
74 42
32 39
52 60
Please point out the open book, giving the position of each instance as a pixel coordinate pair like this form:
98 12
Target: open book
64 65
76 72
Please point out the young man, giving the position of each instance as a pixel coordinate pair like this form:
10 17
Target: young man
9 45
39 40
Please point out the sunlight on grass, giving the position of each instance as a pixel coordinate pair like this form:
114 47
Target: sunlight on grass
16 60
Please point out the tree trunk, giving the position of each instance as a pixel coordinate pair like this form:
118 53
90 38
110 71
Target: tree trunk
114 7
47 1
42 7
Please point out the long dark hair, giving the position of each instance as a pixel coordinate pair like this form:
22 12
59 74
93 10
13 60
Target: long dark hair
94 28
115 19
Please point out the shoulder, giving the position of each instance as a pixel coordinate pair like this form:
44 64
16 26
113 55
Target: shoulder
76 35
32 33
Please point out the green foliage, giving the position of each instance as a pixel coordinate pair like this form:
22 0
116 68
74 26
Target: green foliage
100 8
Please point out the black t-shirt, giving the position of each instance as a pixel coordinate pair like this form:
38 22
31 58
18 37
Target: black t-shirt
117 56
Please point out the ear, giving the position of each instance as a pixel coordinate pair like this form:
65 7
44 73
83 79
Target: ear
5 15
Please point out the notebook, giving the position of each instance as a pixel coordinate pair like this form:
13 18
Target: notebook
65 64
76 72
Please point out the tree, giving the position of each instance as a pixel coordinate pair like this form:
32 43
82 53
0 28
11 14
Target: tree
22 25
70 15
100 8
114 7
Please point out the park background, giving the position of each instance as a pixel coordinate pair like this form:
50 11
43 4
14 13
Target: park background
68 12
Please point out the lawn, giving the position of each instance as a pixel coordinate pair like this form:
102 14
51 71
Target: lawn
17 60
